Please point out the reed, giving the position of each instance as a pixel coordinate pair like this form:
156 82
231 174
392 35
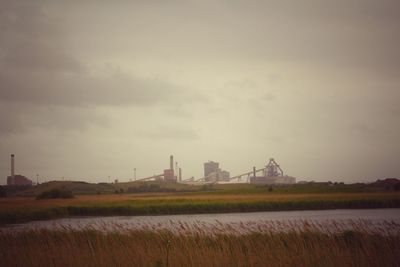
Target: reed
305 246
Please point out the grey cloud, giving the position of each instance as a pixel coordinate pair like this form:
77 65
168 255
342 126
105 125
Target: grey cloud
16 118
79 89
247 93
11 119
361 128
268 96
164 132
343 34
61 119
31 39
43 85
38 56
69 101
37 68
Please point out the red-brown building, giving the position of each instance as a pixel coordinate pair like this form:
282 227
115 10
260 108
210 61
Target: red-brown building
169 175
18 180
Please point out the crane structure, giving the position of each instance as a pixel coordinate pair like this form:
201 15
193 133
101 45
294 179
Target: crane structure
168 175
154 177
272 169
270 174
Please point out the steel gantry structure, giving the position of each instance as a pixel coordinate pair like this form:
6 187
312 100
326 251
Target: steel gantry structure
272 169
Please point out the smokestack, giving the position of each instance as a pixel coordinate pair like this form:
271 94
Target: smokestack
12 166
180 175
171 162
254 171
12 169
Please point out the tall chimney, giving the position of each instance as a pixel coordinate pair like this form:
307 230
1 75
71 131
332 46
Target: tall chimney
171 162
12 169
254 171
180 175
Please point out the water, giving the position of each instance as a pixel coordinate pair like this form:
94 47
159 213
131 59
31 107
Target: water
326 220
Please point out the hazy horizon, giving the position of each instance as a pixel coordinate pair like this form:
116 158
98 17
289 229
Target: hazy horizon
95 89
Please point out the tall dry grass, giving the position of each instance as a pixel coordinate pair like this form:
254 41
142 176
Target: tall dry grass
309 245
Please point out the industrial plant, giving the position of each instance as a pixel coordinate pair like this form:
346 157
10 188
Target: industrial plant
168 175
16 179
270 174
212 172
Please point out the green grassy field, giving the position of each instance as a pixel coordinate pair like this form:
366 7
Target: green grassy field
25 209
159 186
171 198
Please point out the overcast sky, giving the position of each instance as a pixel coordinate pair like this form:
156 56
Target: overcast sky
91 89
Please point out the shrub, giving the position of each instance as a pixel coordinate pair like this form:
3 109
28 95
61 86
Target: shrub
3 192
207 187
55 193
397 187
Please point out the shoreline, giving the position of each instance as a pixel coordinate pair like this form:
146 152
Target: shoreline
182 208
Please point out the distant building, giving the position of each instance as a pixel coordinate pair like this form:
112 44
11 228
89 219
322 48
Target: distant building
272 174
210 167
18 180
224 176
212 177
272 180
169 175
212 172
285 180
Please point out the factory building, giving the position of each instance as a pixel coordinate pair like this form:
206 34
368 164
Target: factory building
285 180
210 167
212 172
169 174
271 174
16 179
272 180
224 175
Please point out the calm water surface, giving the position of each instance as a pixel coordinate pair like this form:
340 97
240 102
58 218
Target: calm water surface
252 221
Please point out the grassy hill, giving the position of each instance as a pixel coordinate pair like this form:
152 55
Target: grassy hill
83 188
